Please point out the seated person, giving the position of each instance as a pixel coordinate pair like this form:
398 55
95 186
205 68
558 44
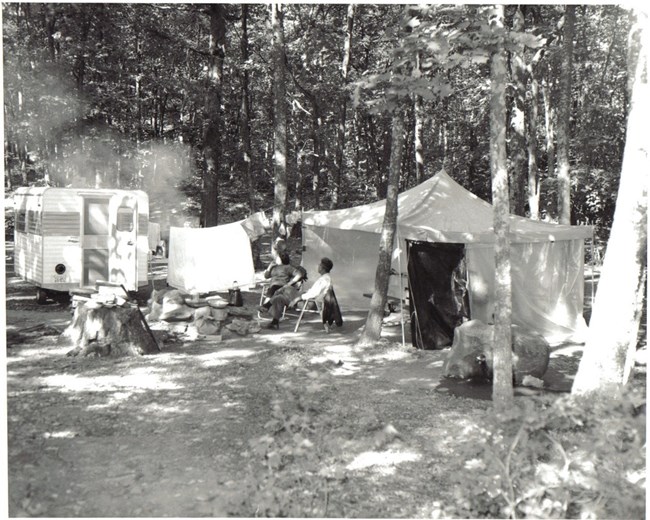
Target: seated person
288 296
282 274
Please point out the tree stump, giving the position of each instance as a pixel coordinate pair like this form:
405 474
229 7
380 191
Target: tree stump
108 331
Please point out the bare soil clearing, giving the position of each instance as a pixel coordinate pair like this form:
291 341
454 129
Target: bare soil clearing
169 434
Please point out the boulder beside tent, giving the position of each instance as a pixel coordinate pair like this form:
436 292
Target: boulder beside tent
444 258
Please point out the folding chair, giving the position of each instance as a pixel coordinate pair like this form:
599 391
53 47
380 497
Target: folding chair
265 288
304 309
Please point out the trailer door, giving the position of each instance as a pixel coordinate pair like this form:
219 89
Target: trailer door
124 259
95 239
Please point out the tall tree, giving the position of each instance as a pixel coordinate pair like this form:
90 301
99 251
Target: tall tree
279 123
372 329
212 133
340 144
418 117
244 125
608 356
502 393
518 120
564 119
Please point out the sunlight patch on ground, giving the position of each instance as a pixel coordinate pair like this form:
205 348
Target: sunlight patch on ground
61 435
34 352
116 398
388 355
223 357
344 358
159 409
347 369
383 461
139 379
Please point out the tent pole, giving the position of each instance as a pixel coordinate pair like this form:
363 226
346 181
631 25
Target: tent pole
401 288
415 311
592 262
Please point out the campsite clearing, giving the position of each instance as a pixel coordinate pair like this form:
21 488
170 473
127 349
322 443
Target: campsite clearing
191 432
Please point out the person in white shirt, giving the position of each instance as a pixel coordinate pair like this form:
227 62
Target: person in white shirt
321 286
317 292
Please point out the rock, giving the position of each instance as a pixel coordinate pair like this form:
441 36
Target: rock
207 325
471 353
243 327
174 308
472 341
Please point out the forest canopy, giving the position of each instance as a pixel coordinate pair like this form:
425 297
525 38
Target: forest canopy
163 96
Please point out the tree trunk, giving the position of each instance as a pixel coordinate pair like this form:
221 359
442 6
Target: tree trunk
212 134
108 331
316 155
244 128
518 122
549 127
531 142
502 392
387 150
608 356
340 142
372 330
418 117
280 125
564 119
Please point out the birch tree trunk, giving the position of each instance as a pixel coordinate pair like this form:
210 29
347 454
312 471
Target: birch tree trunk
502 392
564 118
372 330
532 113
608 356
280 124
418 117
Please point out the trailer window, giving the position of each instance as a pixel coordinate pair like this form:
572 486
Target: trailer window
96 217
21 220
124 218
34 222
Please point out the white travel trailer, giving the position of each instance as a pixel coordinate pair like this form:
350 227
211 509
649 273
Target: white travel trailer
70 238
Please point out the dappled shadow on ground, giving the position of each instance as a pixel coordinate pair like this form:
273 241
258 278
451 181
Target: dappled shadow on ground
177 433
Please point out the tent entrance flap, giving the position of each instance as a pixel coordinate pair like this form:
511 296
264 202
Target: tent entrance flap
438 292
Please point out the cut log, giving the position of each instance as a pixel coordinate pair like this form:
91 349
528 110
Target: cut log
108 331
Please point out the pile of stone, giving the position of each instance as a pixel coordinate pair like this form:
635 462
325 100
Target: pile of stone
195 315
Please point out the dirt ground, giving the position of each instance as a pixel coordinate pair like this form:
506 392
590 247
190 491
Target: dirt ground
178 434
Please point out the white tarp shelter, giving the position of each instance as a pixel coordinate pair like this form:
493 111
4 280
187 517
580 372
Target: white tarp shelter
547 259
212 259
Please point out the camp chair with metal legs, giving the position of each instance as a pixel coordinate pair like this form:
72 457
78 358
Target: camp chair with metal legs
265 289
304 309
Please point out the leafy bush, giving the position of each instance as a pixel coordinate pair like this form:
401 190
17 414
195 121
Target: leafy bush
562 459
287 473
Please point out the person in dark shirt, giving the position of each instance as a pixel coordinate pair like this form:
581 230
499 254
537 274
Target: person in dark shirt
282 274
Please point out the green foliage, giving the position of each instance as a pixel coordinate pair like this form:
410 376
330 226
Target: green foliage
95 92
288 476
555 459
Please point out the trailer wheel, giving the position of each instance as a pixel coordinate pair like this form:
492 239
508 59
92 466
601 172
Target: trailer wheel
41 296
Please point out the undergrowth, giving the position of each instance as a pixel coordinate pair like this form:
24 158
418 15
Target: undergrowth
287 472
564 458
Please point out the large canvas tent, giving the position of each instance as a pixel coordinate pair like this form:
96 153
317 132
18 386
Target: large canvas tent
444 259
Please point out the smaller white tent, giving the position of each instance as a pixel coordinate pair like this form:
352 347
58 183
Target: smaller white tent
212 259
444 220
